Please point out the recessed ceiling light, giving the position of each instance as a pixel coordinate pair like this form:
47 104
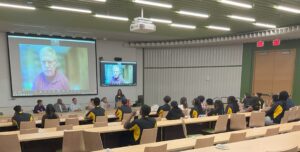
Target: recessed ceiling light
183 26
153 3
243 18
193 14
234 3
70 9
112 17
17 6
287 9
265 25
161 20
218 28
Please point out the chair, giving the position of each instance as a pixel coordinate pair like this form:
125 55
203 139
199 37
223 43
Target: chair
272 132
73 141
292 149
257 119
64 127
165 113
149 136
161 148
72 121
235 137
292 115
204 142
10 143
92 141
221 125
285 117
296 128
237 122
27 125
73 116
100 124
29 131
101 119
51 123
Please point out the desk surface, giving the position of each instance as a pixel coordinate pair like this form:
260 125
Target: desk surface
273 143
188 143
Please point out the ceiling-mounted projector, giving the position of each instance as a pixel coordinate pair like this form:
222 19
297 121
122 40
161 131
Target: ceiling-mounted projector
142 25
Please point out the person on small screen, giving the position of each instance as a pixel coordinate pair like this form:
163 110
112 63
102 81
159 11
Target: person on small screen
39 108
50 78
75 107
117 78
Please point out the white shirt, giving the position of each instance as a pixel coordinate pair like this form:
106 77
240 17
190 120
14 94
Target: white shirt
74 107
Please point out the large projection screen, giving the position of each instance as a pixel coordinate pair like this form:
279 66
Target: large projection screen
46 66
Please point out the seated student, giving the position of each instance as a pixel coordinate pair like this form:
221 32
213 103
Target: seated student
275 114
232 106
39 107
138 125
50 114
218 108
97 111
20 116
197 109
175 112
104 103
90 105
122 110
251 103
74 106
183 102
209 105
202 99
290 103
165 107
60 106
260 99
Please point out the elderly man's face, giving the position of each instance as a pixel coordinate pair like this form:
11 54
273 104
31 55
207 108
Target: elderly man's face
48 62
116 71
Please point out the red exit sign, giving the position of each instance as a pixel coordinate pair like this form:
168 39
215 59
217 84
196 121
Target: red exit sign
276 42
260 44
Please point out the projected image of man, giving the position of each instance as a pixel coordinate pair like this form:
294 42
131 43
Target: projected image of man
50 78
117 78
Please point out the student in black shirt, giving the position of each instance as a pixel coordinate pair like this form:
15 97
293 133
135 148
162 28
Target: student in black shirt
175 112
122 110
165 107
138 125
20 116
97 111
232 106
50 114
197 109
275 114
218 108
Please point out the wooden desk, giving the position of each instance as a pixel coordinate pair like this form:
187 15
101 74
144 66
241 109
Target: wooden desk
188 143
273 143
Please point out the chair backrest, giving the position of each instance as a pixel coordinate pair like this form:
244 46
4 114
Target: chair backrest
165 113
161 148
149 136
257 119
235 137
296 128
126 116
92 141
72 121
237 122
73 141
221 124
51 123
102 119
184 128
29 131
100 124
73 116
64 127
285 117
204 142
292 115
291 149
27 125
10 143
272 131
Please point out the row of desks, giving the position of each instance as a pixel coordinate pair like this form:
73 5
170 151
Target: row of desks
221 138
